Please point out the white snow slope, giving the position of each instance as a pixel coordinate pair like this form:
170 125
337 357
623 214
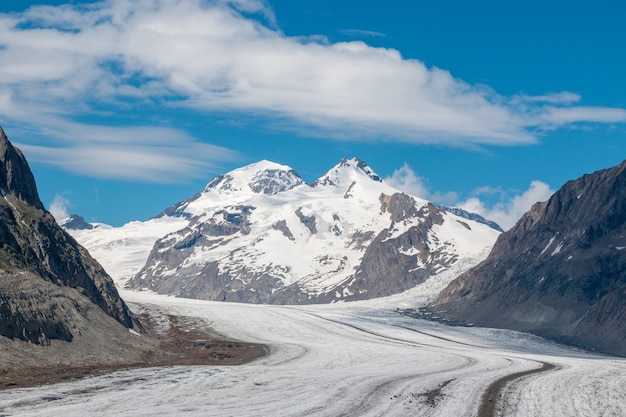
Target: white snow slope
122 251
347 359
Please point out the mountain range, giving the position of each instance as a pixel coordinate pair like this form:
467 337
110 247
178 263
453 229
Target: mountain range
560 272
260 234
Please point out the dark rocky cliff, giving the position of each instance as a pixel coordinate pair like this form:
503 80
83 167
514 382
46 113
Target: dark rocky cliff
560 272
44 273
76 222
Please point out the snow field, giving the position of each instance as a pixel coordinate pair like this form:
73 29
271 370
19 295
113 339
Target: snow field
343 359
122 251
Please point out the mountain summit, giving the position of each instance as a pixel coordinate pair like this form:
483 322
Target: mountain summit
560 272
263 177
16 178
345 173
260 234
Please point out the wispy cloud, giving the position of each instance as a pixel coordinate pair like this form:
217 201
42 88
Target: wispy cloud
552 98
59 208
148 154
360 33
507 209
60 64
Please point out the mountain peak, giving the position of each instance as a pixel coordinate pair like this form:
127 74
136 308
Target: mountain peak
40 262
15 175
263 177
76 222
346 172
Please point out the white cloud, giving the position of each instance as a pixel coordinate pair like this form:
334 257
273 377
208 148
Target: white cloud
509 210
362 33
505 212
60 207
564 97
556 117
141 153
60 63
406 180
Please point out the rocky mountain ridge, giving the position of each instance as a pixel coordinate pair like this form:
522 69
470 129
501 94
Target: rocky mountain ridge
76 222
560 272
472 216
46 277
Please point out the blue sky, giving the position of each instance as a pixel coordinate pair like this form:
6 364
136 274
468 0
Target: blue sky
126 107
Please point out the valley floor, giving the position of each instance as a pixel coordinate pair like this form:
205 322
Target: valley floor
354 359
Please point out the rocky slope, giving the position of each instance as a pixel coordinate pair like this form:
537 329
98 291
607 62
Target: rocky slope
560 272
61 317
472 216
76 222
260 234
47 280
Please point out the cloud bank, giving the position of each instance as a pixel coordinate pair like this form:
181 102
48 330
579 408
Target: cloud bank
509 210
505 211
61 64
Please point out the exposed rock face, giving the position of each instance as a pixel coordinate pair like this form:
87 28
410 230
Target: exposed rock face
40 263
16 177
408 258
76 222
392 261
472 216
259 234
560 272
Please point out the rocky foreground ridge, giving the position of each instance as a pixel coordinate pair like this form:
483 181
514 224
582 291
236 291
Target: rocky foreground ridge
560 272
47 280
61 316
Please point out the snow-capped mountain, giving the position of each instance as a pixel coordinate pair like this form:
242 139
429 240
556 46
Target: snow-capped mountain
261 234
263 177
